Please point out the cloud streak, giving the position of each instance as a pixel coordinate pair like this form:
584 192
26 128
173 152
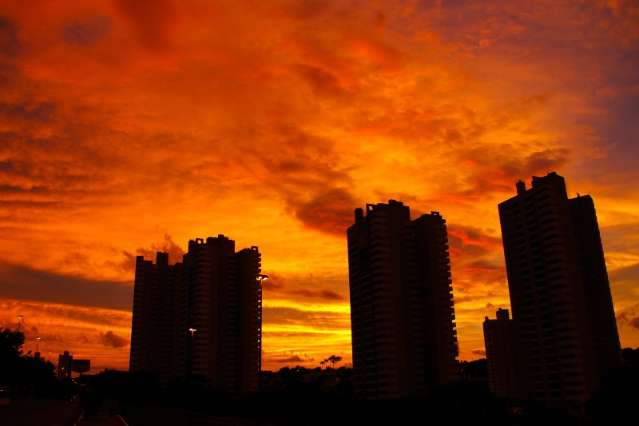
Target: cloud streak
131 127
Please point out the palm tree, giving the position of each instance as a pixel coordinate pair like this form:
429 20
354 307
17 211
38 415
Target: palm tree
334 359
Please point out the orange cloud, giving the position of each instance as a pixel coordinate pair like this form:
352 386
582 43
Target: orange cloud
127 127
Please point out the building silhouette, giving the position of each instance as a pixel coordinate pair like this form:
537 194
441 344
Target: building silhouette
67 364
402 316
201 317
559 291
501 339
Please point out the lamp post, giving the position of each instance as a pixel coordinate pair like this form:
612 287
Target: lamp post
261 278
189 355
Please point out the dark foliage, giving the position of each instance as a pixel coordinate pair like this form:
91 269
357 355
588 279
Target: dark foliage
25 374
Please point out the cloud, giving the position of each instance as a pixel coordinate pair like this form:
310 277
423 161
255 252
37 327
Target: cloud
167 246
294 359
113 340
132 127
321 81
28 112
328 287
87 32
87 332
471 241
320 294
154 20
311 319
9 40
23 282
329 211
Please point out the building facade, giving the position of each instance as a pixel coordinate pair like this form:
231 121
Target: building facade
200 318
402 316
559 291
501 340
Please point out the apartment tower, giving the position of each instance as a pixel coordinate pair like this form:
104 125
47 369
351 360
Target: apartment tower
402 316
501 340
200 318
559 291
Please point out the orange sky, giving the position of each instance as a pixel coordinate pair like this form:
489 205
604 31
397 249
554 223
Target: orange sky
127 127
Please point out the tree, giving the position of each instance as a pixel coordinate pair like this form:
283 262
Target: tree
23 371
10 343
334 359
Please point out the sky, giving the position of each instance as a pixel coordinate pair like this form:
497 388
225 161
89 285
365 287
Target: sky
128 127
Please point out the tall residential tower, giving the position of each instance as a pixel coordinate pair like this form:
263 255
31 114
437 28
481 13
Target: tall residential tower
402 316
559 291
200 318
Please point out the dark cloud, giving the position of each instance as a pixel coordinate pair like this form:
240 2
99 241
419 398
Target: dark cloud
542 162
330 211
14 189
9 41
292 334
113 340
31 204
321 320
86 33
154 20
471 241
321 81
484 271
78 313
629 273
28 112
306 286
293 358
319 294
498 167
22 282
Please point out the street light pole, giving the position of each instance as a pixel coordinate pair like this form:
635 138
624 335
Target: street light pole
189 355
261 278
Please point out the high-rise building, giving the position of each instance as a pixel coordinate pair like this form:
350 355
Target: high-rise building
402 316
153 324
559 291
500 337
200 318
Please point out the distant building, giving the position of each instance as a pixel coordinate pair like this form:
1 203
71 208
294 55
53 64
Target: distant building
501 339
200 318
65 362
402 317
67 365
559 291
81 366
